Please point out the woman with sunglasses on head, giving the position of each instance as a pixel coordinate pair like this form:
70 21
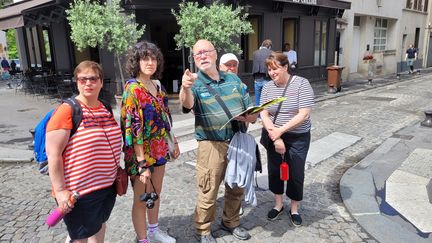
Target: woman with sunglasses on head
145 120
87 161
289 133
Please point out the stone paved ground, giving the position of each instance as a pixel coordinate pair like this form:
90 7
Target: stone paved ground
373 115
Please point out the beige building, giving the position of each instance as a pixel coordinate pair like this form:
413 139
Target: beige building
383 29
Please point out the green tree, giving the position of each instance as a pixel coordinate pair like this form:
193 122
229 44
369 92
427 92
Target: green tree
217 23
103 25
4 2
11 44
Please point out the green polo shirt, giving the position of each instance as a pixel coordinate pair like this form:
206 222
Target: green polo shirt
209 115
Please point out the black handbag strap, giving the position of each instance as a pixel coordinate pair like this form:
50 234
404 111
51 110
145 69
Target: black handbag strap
283 95
235 125
218 98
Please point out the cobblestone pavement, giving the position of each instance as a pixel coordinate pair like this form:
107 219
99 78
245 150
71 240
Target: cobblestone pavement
373 115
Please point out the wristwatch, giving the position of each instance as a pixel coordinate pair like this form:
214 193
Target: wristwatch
142 168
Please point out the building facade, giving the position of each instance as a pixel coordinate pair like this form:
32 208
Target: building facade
383 28
308 25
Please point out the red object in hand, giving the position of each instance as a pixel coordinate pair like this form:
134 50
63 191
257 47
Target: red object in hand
284 171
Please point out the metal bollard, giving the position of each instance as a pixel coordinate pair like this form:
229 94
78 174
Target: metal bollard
428 120
32 131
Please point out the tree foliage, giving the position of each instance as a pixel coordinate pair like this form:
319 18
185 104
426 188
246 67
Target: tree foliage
11 44
102 25
217 23
4 2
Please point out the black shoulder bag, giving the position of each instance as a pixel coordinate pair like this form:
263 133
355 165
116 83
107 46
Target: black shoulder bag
265 139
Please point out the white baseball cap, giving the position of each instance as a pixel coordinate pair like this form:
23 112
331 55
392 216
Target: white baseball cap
228 57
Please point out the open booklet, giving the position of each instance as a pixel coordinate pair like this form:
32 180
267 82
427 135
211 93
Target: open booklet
256 109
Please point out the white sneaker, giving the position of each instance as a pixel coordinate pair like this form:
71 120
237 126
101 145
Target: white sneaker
160 236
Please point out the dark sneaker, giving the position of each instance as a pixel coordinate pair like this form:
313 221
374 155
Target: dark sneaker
207 239
295 219
274 214
238 232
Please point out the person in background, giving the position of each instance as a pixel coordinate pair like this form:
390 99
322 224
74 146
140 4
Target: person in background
292 56
229 63
290 133
5 65
259 69
212 141
145 121
410 57
13 65
88 161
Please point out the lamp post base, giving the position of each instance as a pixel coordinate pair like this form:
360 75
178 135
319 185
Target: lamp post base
428 120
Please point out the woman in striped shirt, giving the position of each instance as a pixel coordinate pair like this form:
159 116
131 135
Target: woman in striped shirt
87 161
290 132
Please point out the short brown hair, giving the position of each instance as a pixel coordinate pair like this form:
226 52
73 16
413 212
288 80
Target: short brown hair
141 50
96 67
267 43
276 59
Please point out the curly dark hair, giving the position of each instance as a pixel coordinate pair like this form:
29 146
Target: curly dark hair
141 50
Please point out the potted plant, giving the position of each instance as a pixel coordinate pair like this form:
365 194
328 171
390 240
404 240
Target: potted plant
217 23
105 26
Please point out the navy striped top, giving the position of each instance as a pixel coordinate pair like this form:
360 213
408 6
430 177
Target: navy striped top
299 95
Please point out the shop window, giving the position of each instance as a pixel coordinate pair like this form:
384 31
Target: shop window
320 43
380 34
357 21
250 42
47 45
409 4
290 33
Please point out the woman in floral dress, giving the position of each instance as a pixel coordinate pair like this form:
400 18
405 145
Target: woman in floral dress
145 120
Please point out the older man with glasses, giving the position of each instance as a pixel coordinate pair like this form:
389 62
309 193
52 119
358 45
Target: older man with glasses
212 141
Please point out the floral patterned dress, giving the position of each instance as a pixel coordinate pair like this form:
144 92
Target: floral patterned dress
144 120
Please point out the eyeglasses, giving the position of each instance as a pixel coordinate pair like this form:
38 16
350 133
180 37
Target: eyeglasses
92 79
202 53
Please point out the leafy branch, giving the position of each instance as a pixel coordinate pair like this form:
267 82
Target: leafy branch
217 23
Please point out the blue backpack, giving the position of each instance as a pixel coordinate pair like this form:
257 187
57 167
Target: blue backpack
40 131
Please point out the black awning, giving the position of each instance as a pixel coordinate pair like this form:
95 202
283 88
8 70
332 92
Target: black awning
320 3
11 16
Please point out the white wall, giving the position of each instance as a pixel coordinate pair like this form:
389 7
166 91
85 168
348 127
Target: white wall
400 22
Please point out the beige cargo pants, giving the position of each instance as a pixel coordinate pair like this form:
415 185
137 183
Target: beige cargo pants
210 172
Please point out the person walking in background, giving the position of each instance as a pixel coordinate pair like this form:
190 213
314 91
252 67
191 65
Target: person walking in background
259 69
145 122
87 161
13 65
410 57
292 56
5 65
289 133
212 141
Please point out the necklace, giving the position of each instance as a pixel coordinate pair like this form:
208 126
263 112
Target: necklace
147 86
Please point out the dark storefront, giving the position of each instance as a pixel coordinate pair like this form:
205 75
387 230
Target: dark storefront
308 25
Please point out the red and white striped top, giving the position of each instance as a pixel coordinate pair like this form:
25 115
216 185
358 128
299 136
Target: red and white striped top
90 158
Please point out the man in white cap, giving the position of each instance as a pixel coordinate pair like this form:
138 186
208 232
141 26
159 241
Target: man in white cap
229 63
